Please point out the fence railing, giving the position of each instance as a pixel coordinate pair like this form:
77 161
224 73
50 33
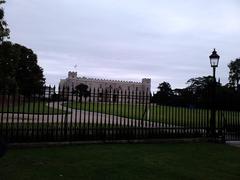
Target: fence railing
68 115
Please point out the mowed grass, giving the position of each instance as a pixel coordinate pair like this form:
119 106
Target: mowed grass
123 161
179 116
37 107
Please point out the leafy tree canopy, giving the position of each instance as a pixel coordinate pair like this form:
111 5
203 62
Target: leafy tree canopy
19 69
82 90
234 73
4 31
164 93
199 84
165 89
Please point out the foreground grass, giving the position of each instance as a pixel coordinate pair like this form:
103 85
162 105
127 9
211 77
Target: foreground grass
123 161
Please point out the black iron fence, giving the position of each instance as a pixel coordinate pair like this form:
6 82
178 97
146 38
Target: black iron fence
68 115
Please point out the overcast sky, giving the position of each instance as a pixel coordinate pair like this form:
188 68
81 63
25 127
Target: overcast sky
165 40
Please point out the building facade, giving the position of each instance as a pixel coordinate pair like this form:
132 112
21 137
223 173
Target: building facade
108 90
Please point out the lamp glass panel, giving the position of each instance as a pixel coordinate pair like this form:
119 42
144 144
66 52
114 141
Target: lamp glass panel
214 62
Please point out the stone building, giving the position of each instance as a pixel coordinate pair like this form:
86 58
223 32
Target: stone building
107 90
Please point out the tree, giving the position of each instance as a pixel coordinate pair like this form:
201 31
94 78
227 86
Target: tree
19 69
200 84
7 68
202 89
164 93
82 91
234 73
165 88
199 90
4 31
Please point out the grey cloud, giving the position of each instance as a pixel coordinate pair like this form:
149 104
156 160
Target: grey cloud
164 40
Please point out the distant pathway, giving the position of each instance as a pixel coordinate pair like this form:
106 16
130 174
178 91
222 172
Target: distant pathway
234 143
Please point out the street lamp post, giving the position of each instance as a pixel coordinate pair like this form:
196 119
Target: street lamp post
214 59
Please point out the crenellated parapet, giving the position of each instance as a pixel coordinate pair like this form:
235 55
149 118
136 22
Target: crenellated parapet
108 80
72 75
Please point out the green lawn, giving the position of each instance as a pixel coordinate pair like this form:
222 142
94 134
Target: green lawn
123 161
166 114
32 107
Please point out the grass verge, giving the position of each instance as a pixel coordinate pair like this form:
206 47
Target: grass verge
123 161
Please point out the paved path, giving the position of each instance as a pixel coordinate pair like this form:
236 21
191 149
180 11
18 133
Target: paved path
233 143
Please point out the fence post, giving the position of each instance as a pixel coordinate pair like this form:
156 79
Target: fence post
66 115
